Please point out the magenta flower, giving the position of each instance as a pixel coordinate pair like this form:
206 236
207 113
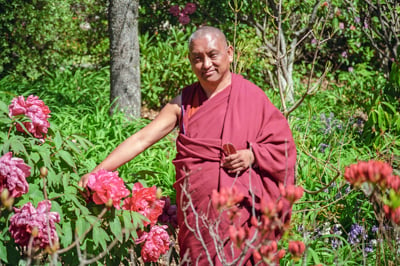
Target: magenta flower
183 19
13 174
145 202
156 243
35 110
169 214
107 186
38 223
190 8
174 10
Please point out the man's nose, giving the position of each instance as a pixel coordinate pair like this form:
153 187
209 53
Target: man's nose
207 62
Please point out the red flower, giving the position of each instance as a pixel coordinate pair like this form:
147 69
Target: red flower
226 198
296 248
269 253
291 192
392 214
372 171
156 243
238 235
107 186
13 174
38 223
145 202
35 110
393 182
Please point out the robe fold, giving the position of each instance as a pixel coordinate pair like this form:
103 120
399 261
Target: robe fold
240 114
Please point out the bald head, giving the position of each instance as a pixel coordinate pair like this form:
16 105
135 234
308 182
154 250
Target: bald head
207 30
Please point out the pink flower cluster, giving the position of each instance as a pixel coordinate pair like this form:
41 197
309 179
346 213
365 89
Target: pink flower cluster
296 248
107 187
380 175
13 174
271 220
35 110
269 253
156 243
37 223
144 201
227 199
371 171
183 14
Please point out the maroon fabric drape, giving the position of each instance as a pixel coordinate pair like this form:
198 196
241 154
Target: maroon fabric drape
240 114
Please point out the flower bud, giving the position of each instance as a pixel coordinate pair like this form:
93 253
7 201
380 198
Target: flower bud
6 200
4 195
158 193
43 172
35 231
109 203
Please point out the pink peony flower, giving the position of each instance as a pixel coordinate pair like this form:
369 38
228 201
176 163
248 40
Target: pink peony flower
156 243
107 186
174 10
13 174
38 223
145 202
190 8
35 110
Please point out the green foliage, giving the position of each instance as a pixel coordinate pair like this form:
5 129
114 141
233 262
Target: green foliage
42 35
80 136
165 67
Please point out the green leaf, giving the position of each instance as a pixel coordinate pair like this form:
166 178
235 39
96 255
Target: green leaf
116 228
17 146
58 140
81 227
100 237
66 156
3 252
45 154
67 231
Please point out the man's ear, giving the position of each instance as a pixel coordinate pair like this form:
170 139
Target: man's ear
230 53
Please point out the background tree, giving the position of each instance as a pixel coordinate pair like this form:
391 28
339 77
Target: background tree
125 56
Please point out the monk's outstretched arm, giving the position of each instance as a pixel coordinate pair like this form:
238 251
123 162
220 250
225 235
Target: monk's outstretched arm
163 124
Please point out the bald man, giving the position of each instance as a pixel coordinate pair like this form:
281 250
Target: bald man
220 108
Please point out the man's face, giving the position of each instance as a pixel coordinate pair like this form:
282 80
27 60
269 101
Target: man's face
210 58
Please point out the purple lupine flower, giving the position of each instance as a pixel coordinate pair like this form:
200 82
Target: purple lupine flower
356 231
374 229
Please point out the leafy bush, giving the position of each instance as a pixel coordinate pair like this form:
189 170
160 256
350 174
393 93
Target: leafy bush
44 35
165 67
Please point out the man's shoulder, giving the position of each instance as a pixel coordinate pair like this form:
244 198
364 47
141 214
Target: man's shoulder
248 86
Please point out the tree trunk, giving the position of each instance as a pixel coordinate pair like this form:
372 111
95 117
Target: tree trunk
125 56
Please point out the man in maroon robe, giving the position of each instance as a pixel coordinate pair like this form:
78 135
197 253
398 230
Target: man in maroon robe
220 108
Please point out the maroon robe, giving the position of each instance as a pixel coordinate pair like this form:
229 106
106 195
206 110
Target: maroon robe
243 115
